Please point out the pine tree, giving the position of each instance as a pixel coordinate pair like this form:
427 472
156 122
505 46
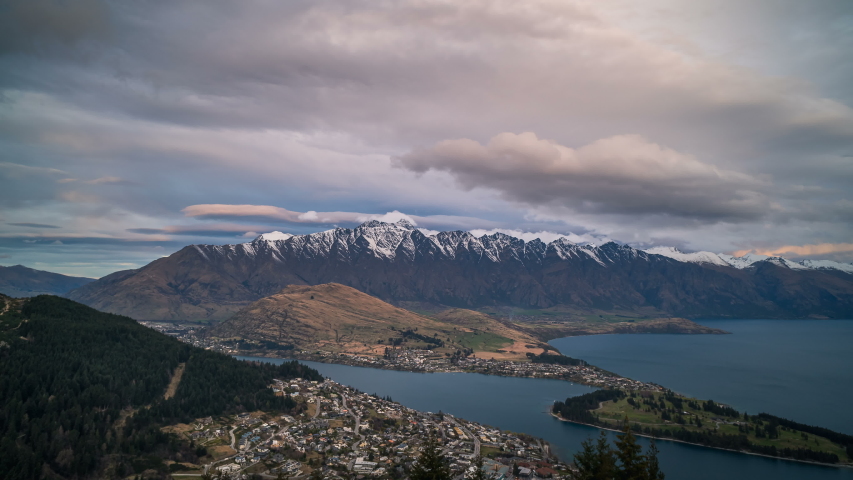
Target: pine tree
652 467
431 465
596 461
629 453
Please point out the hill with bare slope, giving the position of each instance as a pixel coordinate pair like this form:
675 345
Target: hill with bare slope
337 318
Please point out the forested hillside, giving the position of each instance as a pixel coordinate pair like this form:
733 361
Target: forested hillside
83 391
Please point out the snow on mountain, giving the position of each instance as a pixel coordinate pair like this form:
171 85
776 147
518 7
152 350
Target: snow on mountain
744 261
828 265
695 257
273 236
388 241
747 260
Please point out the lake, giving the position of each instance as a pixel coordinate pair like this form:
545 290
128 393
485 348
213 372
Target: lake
799 369
521 405
793 368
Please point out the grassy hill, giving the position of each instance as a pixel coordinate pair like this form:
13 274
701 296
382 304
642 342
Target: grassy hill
337 318
84 392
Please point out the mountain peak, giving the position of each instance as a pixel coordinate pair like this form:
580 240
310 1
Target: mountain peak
272 236
405 224
402 223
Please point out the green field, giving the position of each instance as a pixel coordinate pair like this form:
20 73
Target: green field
482 341
651 408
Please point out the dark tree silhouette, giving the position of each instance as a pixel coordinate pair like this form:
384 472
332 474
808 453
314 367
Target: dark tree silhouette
431 465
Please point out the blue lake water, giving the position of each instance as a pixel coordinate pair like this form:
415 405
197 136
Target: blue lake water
799 369
521 405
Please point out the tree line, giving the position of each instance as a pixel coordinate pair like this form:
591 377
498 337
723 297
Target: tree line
553 359
72 374
580 409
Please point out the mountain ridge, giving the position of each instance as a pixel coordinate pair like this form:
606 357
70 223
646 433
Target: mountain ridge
21 281
398 263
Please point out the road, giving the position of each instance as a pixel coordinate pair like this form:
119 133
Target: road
316 410
475 439
355 431
233 439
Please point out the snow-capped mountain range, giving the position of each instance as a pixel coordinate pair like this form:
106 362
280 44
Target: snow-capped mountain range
399 263
387 240
747 260
402 239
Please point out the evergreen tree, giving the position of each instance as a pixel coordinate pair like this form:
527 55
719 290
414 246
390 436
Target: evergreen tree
632 461
431 465
596 461
652 467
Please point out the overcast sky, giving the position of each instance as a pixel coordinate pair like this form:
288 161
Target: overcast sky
131 129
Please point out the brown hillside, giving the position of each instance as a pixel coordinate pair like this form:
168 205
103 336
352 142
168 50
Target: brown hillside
338 318
522 342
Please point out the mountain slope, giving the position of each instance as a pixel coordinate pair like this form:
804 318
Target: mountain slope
334 317
20 281
71 372
397 263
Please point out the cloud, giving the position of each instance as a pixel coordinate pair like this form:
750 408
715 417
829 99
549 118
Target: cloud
624 174
277 214
36 25
31 225
5 256
203 229
99 181
822 249
16 170
736 142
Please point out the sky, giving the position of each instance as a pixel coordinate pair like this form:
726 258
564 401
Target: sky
131 129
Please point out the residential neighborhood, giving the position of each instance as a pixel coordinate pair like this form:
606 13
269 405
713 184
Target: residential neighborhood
346 434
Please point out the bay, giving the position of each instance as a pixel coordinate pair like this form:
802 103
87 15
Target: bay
798 369
522 404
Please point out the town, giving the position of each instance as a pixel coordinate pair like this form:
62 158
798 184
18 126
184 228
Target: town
343 433
419 360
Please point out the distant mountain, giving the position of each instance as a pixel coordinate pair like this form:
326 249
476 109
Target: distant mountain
20 281
748 260
398 263
334 317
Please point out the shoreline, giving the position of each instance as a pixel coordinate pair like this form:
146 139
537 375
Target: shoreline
604 375
835 465
387 367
